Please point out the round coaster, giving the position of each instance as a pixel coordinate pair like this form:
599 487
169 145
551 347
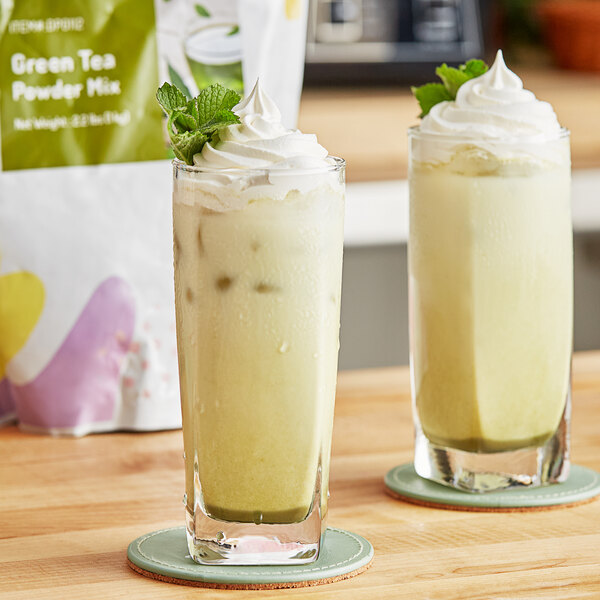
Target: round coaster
582 486
164 555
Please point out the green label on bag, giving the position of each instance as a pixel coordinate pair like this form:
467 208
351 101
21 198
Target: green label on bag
78 83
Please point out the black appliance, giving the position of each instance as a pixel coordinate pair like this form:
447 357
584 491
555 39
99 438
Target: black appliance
389 41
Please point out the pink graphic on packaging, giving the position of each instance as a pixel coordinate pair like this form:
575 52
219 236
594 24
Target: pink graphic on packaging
80 384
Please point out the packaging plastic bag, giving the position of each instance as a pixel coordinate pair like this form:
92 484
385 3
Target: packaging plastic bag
234 42
87 334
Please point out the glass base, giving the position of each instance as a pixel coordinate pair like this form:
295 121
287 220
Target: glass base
215 542
487 472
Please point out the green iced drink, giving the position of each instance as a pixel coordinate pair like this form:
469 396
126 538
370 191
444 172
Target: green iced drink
491 283
258 239
491 278
258 297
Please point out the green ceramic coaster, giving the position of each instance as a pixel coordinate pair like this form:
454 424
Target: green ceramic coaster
582 485
164 555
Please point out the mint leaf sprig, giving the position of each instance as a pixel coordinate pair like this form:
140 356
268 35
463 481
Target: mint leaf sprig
193 123
430 94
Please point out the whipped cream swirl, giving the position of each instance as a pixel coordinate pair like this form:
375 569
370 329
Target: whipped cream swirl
261 141
255 159
494 106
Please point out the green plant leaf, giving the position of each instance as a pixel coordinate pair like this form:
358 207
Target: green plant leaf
188 143
193 123
474 68
182 121
170 97
214 99
177 80
452 78
429 95
201 10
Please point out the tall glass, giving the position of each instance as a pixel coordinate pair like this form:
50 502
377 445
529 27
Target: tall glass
258 267
491 310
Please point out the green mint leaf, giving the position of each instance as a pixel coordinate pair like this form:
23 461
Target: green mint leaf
182 121
188 143
191 108
201 10
429 95
474 68
170 97
220 119
234 30
214 99
177 80
451 78
193 123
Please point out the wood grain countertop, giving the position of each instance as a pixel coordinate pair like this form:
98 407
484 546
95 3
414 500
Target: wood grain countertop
70 507
368 126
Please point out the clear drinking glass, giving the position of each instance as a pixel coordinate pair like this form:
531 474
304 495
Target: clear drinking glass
491 310
258 267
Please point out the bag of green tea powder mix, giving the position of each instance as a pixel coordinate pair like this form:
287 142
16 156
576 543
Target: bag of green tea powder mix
87 333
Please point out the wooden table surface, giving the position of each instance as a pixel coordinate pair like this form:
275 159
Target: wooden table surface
70 507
